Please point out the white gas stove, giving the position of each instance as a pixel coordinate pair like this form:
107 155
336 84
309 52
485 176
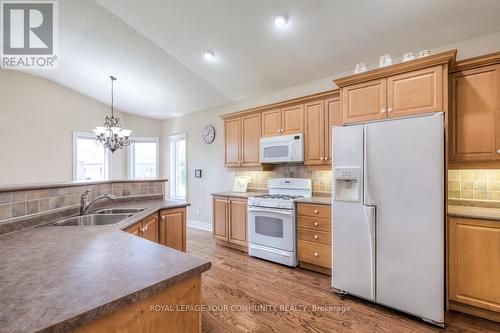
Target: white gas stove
271 220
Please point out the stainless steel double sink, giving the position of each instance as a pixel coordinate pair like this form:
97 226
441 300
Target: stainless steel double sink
105 216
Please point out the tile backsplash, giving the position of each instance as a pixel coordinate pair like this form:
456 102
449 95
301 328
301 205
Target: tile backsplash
16 204
321 180
477 185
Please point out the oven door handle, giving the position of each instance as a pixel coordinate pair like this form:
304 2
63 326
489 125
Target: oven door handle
274 211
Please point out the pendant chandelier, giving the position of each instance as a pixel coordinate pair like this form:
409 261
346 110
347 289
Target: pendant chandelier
111 135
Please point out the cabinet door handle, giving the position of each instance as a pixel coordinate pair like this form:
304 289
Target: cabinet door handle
382 110
316 237
316 224
316 254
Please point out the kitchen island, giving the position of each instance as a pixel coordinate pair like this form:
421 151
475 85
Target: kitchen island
97 278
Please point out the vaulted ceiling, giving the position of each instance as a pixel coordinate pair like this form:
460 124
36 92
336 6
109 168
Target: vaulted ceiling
154 47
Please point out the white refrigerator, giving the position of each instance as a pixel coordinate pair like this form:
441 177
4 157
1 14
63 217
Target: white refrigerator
388 214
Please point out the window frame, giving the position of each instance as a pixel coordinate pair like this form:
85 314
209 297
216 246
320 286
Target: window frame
172 182
107 156
131 155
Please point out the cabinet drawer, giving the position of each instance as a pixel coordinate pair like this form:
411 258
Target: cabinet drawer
320 237
322 211
314 223
313 253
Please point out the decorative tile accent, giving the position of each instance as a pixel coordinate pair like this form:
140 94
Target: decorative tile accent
21 203
321 180
478 185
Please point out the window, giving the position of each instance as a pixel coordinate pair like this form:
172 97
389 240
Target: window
143 158
90 160
178 168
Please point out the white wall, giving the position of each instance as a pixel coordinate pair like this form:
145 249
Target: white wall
37 120
210 158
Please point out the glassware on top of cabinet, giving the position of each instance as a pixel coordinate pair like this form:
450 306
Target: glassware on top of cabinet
385 61
360 68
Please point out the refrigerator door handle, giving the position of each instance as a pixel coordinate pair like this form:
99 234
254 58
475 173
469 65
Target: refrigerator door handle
370 217
367 197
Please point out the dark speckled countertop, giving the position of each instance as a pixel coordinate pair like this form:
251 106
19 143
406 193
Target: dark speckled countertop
54 279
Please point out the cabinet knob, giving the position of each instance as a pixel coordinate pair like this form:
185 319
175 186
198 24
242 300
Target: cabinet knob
382 110
321 158
498 151
326 158
389 110
316 254
316 224
163 218
316 211
316 237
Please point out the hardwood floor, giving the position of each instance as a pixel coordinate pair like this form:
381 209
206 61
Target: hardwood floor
237 279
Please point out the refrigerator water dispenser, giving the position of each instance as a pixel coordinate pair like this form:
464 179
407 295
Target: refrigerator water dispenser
347 184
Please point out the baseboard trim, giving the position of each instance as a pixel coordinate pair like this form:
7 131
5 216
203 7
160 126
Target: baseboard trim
199 225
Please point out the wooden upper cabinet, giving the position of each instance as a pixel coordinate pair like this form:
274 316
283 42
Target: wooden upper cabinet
238 221
219 218
333 117
271 123
314 136
173 228
292 119
474 262
476 114
250 146
365 101
415 92
232 140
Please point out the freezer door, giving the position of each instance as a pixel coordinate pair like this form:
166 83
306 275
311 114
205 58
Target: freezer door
353 226
405 168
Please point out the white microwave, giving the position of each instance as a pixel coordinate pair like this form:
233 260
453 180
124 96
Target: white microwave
282 149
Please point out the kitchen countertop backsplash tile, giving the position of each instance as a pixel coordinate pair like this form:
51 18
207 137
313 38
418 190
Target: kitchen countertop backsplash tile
321 180
475 185
20 204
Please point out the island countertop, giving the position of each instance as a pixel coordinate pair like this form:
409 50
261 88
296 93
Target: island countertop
54 279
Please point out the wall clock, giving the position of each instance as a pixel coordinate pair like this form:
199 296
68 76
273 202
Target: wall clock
208 134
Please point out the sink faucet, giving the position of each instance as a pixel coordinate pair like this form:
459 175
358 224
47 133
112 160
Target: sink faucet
85 205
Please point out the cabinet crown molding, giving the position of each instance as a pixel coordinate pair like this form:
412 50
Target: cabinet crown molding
481 61
447 57
284 104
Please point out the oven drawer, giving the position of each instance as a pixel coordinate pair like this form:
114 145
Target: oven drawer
322 211
314 223
313 253
320 237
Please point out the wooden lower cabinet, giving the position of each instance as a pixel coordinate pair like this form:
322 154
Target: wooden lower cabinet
229 218
138 317
135 229
314 237
172 228
474 266
150 228
169 229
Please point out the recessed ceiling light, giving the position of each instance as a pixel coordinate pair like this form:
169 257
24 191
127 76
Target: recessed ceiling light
208 55
280 20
